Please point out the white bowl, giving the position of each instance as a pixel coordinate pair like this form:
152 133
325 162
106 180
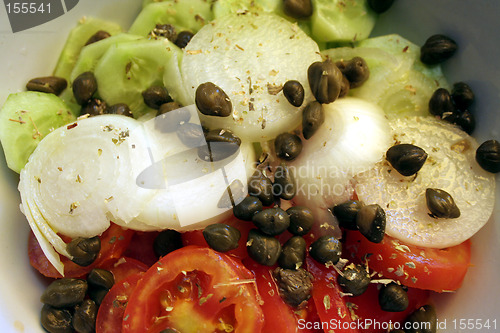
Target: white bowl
473 24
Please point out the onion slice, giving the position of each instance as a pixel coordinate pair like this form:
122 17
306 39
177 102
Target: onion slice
450 166
352 139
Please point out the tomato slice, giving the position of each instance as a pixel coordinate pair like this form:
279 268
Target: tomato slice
194 289
114 241
331 306
141 247
196 237
110 314
366 309
278 316
425 268
124 267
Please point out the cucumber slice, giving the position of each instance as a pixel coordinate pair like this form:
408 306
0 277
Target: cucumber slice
77 38
127 69
90 54
25 118
69 99
399 82
183 15
407 53
405 96
226 7
340 20
173 81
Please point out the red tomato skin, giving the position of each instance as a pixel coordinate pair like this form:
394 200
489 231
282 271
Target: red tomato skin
124 267
438 270
331 307
214 270
110 314
114 241
278 316
368 309
141 247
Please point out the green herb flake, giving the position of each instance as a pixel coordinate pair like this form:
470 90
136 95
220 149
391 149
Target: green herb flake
205 299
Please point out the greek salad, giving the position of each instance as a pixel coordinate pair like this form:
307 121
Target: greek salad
248 166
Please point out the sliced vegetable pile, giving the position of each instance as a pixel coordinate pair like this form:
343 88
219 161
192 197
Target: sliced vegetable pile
223 168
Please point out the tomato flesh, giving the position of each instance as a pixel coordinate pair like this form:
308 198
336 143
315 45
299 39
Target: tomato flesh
194 289
424 268
110 314
331 307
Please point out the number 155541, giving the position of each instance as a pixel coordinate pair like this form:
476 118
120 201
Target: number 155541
27 7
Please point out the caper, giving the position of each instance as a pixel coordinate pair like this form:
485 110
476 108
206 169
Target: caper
301 220
441 203
47 84
346 213
422 320
293 253
298 8
393 298
326 249
313 117
97 294
371 222
191 135
488 156
101 278
94 107
462 95
287 146
183 38
294 92
164 30
220 145
437 49
120 109
221 237
84 87
380 6
441 103
84 250
65 292
345 86
406 158
261 187
262 248
234 194
271 221
85 316
294 286
355 70
354 279
284 183
155 96
466 121
325 80
247 208
166 242
99 35
211 100
56 320
170 117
